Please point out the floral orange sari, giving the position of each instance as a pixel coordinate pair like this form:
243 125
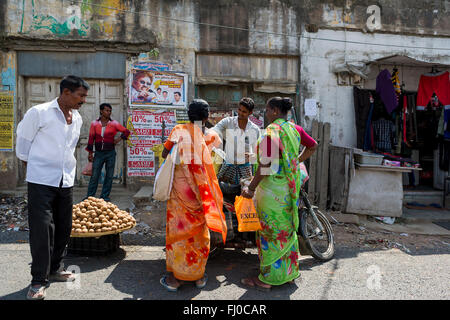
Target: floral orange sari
195 204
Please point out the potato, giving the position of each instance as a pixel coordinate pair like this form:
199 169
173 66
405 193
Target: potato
91 230
78 230
98 230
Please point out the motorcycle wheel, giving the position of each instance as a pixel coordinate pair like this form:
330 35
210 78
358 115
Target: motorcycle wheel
214 251
321 245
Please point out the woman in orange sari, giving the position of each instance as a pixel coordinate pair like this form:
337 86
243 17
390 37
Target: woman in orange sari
195 204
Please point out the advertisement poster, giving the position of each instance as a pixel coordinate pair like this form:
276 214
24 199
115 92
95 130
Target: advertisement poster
160 89
6 120
152 65
146 141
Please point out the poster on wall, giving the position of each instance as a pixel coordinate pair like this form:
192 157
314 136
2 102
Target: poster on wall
150 129
6 120
157 89
152 65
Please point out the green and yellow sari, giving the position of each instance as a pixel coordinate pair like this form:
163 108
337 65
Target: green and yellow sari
277 199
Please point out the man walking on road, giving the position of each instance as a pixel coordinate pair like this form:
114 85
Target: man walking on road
46 141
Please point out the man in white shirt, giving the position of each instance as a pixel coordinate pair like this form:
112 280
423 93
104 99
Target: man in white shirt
46 141
241 136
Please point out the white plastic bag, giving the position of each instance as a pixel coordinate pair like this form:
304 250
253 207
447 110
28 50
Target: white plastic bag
164 176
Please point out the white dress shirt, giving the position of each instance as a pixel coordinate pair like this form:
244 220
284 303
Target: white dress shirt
47 143
237 141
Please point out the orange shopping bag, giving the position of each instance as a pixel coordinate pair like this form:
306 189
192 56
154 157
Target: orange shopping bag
246 214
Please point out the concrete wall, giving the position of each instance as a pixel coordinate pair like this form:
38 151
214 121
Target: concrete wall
318 33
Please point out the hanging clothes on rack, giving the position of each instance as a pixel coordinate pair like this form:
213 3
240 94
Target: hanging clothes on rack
438 83
368 136
361 99
413 136
385 89
396 82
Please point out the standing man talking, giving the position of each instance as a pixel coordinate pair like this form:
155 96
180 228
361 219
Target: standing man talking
46 141
240 136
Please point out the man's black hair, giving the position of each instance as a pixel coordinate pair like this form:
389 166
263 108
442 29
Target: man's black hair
103 105
72 83
247 103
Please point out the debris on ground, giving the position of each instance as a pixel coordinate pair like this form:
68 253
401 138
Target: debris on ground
13 213
387 220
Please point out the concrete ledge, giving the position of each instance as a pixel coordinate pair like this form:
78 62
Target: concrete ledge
143 196
343 217
424 228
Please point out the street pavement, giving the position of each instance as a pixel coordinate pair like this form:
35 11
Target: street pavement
133 273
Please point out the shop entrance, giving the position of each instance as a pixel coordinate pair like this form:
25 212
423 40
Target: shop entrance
409 134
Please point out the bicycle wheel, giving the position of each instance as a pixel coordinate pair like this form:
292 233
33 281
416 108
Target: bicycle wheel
321 244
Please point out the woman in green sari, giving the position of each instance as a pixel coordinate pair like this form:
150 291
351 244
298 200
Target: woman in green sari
275 188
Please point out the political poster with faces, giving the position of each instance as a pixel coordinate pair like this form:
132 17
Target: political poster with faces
147 139
158 89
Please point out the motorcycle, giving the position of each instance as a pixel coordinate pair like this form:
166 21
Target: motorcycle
315 234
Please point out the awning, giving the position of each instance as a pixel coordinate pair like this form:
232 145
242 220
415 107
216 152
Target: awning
400 60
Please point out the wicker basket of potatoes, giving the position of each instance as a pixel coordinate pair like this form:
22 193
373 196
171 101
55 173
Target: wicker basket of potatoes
95 217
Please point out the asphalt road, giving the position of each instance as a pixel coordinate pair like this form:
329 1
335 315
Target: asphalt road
133 272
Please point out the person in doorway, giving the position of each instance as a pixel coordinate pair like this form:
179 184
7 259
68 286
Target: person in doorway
102 134
195 204
46 140
141 87
240 135
276 186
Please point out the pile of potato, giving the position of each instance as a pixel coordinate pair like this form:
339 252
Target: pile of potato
95 215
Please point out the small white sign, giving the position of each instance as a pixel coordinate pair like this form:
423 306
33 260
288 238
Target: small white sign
310 107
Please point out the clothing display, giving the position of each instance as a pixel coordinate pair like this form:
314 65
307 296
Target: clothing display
396 83
433 83
384 135
385 89
416 123
361 100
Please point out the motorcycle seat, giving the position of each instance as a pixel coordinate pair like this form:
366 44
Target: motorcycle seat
229 188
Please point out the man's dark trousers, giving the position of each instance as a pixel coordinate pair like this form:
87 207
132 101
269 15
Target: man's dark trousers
50 223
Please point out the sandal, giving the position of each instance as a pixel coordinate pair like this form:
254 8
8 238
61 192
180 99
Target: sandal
254 283
62 276
164 283
36 293
202 282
